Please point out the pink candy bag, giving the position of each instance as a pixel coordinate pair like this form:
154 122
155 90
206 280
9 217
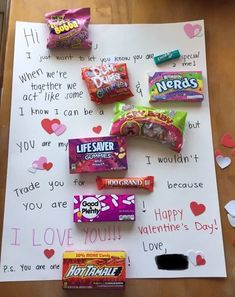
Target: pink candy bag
68 28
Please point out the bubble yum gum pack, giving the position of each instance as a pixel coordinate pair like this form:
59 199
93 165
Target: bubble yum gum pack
107 83
68 28
94 270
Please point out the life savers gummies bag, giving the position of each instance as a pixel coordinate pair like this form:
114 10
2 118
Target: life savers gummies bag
107 83
68 28
161 125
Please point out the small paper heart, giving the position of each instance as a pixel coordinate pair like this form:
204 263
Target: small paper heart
192 255
200 260
97 129
233 241
231 220
223 162
32 170
192 30
218 153
196 208
47 124
58 129
47 166
49 253
38 164
227 140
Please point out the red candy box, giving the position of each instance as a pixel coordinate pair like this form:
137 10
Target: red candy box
94 269
107 83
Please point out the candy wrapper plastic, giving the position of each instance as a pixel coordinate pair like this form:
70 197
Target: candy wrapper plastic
176 86
107 83
161 125
146 182
68 28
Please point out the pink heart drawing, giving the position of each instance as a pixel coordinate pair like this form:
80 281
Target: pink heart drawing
38 164
58 129
192 30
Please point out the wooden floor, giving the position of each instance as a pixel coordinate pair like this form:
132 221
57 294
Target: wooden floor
4 4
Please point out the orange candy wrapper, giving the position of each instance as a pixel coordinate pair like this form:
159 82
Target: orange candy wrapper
146 182
94 269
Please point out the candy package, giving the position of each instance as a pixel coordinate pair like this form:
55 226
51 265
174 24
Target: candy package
107 83
104 208
68 28
176 86
161 125
94 270
146 182
93 154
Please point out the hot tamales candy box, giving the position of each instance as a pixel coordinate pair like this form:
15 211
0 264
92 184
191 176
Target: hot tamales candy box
93 269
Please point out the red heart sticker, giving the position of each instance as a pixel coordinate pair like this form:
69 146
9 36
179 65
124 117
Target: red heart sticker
227 140
97 129
200 261
49 253
196 208
218 153
233 241
47 124
233 153
47 166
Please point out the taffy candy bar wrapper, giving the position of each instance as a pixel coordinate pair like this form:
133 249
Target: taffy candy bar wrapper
161 125
97 154
176 86
107 83
94 270
104 208
68 28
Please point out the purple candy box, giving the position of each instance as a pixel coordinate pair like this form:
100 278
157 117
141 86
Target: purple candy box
104 208
97 154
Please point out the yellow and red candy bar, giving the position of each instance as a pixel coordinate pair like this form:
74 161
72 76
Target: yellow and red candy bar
146 182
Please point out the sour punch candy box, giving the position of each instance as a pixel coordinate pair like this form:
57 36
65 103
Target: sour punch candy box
176 86
104 208
97 154
93 269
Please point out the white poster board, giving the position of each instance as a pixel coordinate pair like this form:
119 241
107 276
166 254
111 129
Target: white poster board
181 215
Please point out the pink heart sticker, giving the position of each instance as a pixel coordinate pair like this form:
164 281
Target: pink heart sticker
192 30
58 129
38 164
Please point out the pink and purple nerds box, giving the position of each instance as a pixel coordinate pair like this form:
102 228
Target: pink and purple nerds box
104 208
97 154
